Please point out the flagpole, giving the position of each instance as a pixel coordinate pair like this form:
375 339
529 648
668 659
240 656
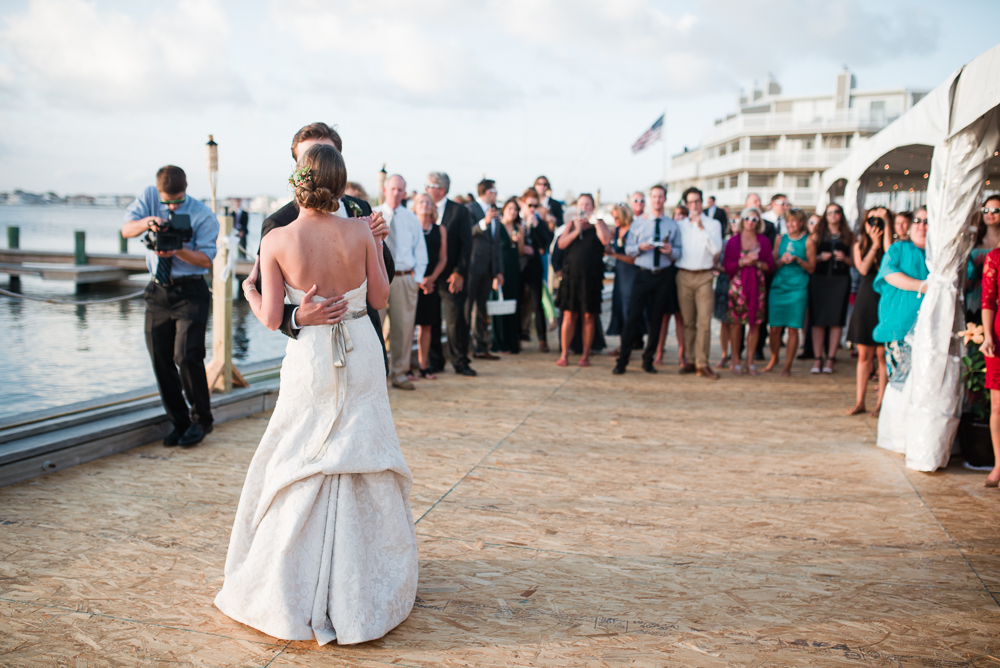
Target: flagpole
663 138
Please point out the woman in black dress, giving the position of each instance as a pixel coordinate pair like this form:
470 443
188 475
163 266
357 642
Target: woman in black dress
428 299
507 328
830 287
582 276
868 254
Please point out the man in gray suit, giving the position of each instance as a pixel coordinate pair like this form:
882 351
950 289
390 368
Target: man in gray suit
485 265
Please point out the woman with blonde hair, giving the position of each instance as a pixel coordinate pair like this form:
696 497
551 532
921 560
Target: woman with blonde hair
747 259
428 313
625 272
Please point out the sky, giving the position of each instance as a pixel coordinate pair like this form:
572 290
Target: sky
95 96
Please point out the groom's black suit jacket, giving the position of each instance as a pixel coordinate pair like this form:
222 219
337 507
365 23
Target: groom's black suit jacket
290 212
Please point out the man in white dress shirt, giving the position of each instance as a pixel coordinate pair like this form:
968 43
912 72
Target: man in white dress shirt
406 242
701 239
776 214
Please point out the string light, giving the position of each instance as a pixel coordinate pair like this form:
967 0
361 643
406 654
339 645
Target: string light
911 189
925 175
896 187
880 184
906 171
887 166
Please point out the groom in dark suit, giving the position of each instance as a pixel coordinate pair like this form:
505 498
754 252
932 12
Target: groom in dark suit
327 312
485 265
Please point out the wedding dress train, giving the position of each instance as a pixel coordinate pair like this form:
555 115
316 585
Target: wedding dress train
323 545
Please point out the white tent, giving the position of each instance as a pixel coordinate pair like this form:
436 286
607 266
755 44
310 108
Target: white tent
959 121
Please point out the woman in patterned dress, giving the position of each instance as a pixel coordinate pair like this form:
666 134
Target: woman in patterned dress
747 259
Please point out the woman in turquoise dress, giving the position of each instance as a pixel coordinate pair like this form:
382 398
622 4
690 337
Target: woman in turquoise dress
795 257
507 328
902 283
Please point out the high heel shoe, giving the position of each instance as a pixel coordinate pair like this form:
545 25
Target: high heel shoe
427 375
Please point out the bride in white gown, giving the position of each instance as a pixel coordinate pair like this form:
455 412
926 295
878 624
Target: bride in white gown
323 545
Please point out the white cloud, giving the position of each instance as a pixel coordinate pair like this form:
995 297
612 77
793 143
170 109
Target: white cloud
69 53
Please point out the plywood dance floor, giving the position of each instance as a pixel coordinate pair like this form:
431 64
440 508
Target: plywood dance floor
566 517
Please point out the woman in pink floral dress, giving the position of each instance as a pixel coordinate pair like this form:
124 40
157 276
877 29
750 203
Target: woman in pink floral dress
747 259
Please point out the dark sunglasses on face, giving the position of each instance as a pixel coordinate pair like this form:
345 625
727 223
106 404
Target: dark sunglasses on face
532 206
173 201
544 185
919 221
751 220
994 210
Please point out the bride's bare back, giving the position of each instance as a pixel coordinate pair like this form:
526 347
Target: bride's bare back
324 250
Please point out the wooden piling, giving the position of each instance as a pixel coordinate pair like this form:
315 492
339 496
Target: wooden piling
80 249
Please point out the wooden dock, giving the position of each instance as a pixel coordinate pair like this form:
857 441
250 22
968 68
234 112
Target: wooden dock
565 517
99 267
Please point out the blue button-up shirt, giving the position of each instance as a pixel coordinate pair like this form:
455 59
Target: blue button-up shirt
204 230
643 230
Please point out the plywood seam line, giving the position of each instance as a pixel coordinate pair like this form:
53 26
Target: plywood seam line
692 565
927 505
686 490
129 620
499 443
280 652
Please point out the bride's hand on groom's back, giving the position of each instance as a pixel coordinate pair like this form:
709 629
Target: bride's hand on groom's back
326 312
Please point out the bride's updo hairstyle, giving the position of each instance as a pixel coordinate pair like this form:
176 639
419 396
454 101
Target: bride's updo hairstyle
323 186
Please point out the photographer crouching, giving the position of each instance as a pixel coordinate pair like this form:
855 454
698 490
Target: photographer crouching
180 238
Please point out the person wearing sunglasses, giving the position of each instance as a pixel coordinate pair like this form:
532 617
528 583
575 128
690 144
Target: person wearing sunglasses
830 286
177 303
547 203
868 253
991 314
901 283
537 238
987 238
747 259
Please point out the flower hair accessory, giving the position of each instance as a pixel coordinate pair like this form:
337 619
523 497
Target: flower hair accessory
300 176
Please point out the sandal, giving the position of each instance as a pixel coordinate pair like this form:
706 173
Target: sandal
560 362
725 360
828 367
738 369
426 374
752 370
584 362
816 366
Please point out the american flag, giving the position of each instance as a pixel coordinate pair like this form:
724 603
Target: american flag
649 136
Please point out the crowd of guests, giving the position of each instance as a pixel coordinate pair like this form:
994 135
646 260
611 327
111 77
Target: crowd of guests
497 272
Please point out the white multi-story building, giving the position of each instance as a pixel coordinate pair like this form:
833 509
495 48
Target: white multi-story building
781 144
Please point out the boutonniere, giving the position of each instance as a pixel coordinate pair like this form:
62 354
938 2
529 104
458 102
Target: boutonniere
300 176
354 208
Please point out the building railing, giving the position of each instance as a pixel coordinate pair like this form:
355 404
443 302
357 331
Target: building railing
848 120
813 160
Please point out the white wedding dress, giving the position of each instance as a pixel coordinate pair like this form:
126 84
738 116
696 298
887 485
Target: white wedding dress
324 545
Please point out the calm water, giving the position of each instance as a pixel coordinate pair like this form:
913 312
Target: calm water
51 355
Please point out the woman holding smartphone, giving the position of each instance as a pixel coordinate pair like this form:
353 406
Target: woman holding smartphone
868 252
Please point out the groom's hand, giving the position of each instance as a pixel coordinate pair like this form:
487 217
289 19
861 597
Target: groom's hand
378 226
327 312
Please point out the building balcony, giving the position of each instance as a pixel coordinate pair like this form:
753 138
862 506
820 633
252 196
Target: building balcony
776 161
848 120
735 198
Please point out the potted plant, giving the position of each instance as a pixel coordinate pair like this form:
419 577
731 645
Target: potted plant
974 427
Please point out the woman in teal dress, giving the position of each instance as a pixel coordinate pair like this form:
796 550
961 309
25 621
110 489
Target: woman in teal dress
795 257
902 283
507 328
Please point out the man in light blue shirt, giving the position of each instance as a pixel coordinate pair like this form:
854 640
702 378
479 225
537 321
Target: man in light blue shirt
655 243
177 303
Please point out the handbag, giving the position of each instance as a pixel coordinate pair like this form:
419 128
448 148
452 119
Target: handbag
501 306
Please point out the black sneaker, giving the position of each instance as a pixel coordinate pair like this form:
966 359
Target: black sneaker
194 435
174 437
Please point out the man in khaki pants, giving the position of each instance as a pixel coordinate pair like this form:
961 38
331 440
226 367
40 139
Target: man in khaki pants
406 241
701 239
